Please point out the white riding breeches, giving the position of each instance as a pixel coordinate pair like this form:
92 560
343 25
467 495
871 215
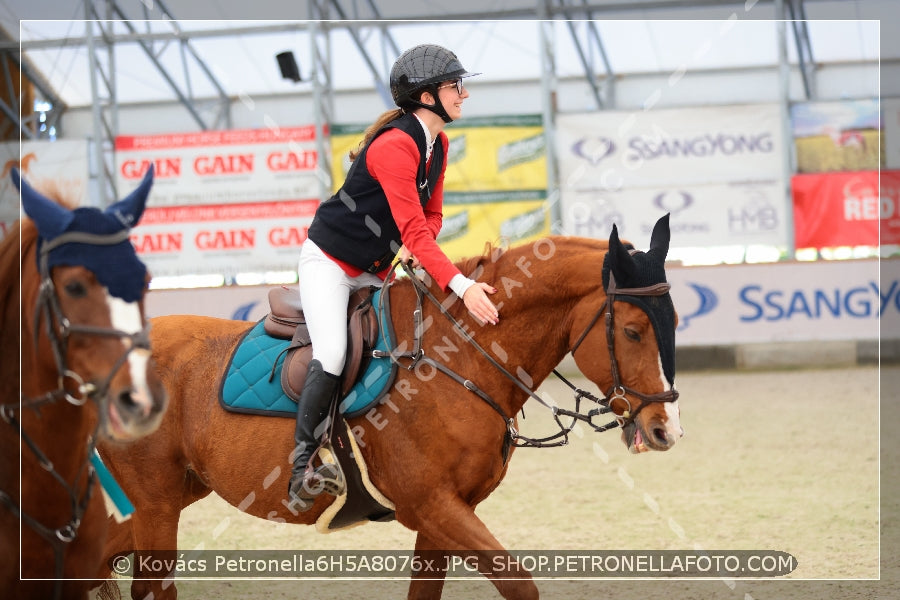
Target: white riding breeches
324 293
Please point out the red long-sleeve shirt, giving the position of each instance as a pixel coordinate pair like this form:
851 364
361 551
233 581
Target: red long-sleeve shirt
393 160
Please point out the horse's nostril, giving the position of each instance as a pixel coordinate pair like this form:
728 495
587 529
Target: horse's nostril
661 437
126 401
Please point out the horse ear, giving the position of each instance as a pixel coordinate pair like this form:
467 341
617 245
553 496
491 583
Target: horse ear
620 260
50 218
129 210
659 239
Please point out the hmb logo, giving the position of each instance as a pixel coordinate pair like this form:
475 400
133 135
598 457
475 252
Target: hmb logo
753 218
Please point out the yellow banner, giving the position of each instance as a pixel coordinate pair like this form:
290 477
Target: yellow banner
495 185
468 227
849 151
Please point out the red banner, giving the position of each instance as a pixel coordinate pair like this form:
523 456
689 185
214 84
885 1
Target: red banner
846 209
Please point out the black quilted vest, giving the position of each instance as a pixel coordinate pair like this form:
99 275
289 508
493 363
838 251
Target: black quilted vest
355 225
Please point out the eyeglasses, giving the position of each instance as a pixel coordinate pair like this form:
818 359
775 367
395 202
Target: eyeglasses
458 83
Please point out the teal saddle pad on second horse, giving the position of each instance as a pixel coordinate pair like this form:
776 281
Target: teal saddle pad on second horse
251 386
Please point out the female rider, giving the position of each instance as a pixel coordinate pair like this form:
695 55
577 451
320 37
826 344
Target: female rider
390 203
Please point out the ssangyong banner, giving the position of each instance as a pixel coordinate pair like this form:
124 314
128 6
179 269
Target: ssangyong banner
795 301
846 209
223 202
701 215
57 168
615 150
718 305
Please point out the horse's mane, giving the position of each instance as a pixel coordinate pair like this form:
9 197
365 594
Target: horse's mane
22 234
19 240
495 259
477 263
55 190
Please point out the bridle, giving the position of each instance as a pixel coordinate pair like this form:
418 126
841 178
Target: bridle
617 391
59 330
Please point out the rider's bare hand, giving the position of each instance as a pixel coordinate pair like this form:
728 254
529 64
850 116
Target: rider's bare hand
407 258
478 303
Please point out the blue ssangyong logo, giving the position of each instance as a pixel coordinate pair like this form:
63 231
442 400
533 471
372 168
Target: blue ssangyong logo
708 302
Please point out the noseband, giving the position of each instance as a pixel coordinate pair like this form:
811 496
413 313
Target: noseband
618 391
49 308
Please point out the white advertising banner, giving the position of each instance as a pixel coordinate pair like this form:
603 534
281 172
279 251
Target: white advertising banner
721 305
240 303
51 167
611 150
223 202
701 215
890 111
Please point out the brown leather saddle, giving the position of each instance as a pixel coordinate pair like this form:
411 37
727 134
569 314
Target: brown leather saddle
287 321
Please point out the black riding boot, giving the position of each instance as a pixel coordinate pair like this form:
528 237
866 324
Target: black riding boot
312 409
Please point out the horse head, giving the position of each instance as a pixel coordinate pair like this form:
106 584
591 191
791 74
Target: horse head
638 337
90 303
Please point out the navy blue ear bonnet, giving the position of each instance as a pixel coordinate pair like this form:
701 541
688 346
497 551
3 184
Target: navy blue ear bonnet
643 269
116 266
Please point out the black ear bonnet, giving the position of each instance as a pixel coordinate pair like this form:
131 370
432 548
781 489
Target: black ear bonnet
642 269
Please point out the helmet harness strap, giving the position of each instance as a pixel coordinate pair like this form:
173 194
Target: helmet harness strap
438 106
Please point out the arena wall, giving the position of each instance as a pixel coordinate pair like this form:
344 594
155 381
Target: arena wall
789 314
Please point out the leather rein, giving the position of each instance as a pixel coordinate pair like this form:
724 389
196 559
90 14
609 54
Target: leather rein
617 391
49 308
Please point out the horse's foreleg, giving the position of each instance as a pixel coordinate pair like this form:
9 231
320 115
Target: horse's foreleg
451 526
156 553
118 542
429 570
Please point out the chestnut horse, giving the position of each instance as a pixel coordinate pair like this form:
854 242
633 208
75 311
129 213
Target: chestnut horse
76 367
436 450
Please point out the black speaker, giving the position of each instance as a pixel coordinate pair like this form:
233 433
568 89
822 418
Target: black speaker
288 66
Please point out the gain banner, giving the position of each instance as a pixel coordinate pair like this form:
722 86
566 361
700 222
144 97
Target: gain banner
223 202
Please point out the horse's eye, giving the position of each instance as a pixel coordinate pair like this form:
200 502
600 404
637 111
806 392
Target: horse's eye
76 289
632 334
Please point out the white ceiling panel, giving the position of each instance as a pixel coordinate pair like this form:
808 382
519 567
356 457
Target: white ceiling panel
644 36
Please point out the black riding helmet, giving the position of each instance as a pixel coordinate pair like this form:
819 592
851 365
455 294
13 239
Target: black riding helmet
421 69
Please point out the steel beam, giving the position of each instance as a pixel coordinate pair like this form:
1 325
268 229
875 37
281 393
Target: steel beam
784 88
603 93
23 117
185 96
547 43
322 92
803 45
13 110
104 106
379 78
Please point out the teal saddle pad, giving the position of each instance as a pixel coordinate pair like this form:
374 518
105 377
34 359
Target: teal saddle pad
252 386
